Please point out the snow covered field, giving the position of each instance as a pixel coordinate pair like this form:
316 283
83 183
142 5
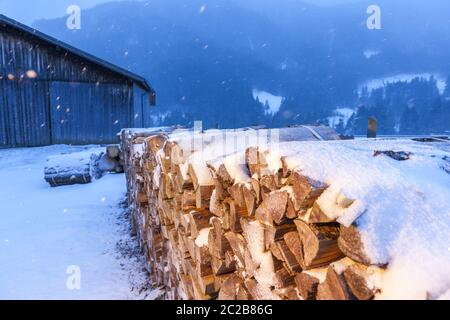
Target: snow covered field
48 235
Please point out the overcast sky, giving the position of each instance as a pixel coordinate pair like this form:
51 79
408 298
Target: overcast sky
27 11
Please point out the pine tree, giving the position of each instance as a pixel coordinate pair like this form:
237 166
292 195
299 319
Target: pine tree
409 122
447 88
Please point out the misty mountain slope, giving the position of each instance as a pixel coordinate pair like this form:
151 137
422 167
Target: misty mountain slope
206 57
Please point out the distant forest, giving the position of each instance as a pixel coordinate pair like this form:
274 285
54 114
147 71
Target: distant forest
206 63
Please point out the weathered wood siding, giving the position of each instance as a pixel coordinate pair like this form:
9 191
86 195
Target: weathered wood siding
24 113
83 113
94 102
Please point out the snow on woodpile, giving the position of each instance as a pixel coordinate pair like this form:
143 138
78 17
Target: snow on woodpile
401 208
283 214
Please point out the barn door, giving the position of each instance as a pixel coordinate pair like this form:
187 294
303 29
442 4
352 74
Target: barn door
85 113
24 113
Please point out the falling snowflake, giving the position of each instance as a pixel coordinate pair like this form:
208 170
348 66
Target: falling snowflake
32 74
58 107
136 116
202 9
116 122
67 110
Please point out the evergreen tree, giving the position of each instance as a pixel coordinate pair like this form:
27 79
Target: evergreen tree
447 88
409 123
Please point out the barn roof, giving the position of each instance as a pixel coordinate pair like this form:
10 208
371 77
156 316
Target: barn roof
5 21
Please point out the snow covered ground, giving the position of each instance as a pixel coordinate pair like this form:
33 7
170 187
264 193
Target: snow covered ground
52 239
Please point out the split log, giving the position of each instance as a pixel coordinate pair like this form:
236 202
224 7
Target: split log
350 243
305 191
250 199
273 209
217 242
334 287
307 286
357 278
284 279
294 245
281 251
198 221
203 196
319 243
275 233
229 288
189 200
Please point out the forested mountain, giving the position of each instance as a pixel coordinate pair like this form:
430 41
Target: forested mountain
206 58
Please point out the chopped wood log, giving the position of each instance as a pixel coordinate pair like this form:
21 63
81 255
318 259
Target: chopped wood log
273 209
198 221
216 206
229 289
237 243
307 286
155 143
221 266
334 287
314 215
281 251
284 279
291 293
220 189
259 292
182 179
235 213
250 199
242 293
275 233
294 244
257 190
237 194
357 278
218 244
270 182
257 163
224 177
189 200
350 243
305 191
319 243
203 196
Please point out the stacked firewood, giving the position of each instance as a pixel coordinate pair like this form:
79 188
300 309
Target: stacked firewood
240 225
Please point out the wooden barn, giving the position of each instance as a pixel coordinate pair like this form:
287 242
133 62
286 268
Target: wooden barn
53 93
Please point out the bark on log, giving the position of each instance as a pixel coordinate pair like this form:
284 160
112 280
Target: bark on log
350 243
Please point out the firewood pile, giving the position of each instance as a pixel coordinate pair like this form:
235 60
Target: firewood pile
239 224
